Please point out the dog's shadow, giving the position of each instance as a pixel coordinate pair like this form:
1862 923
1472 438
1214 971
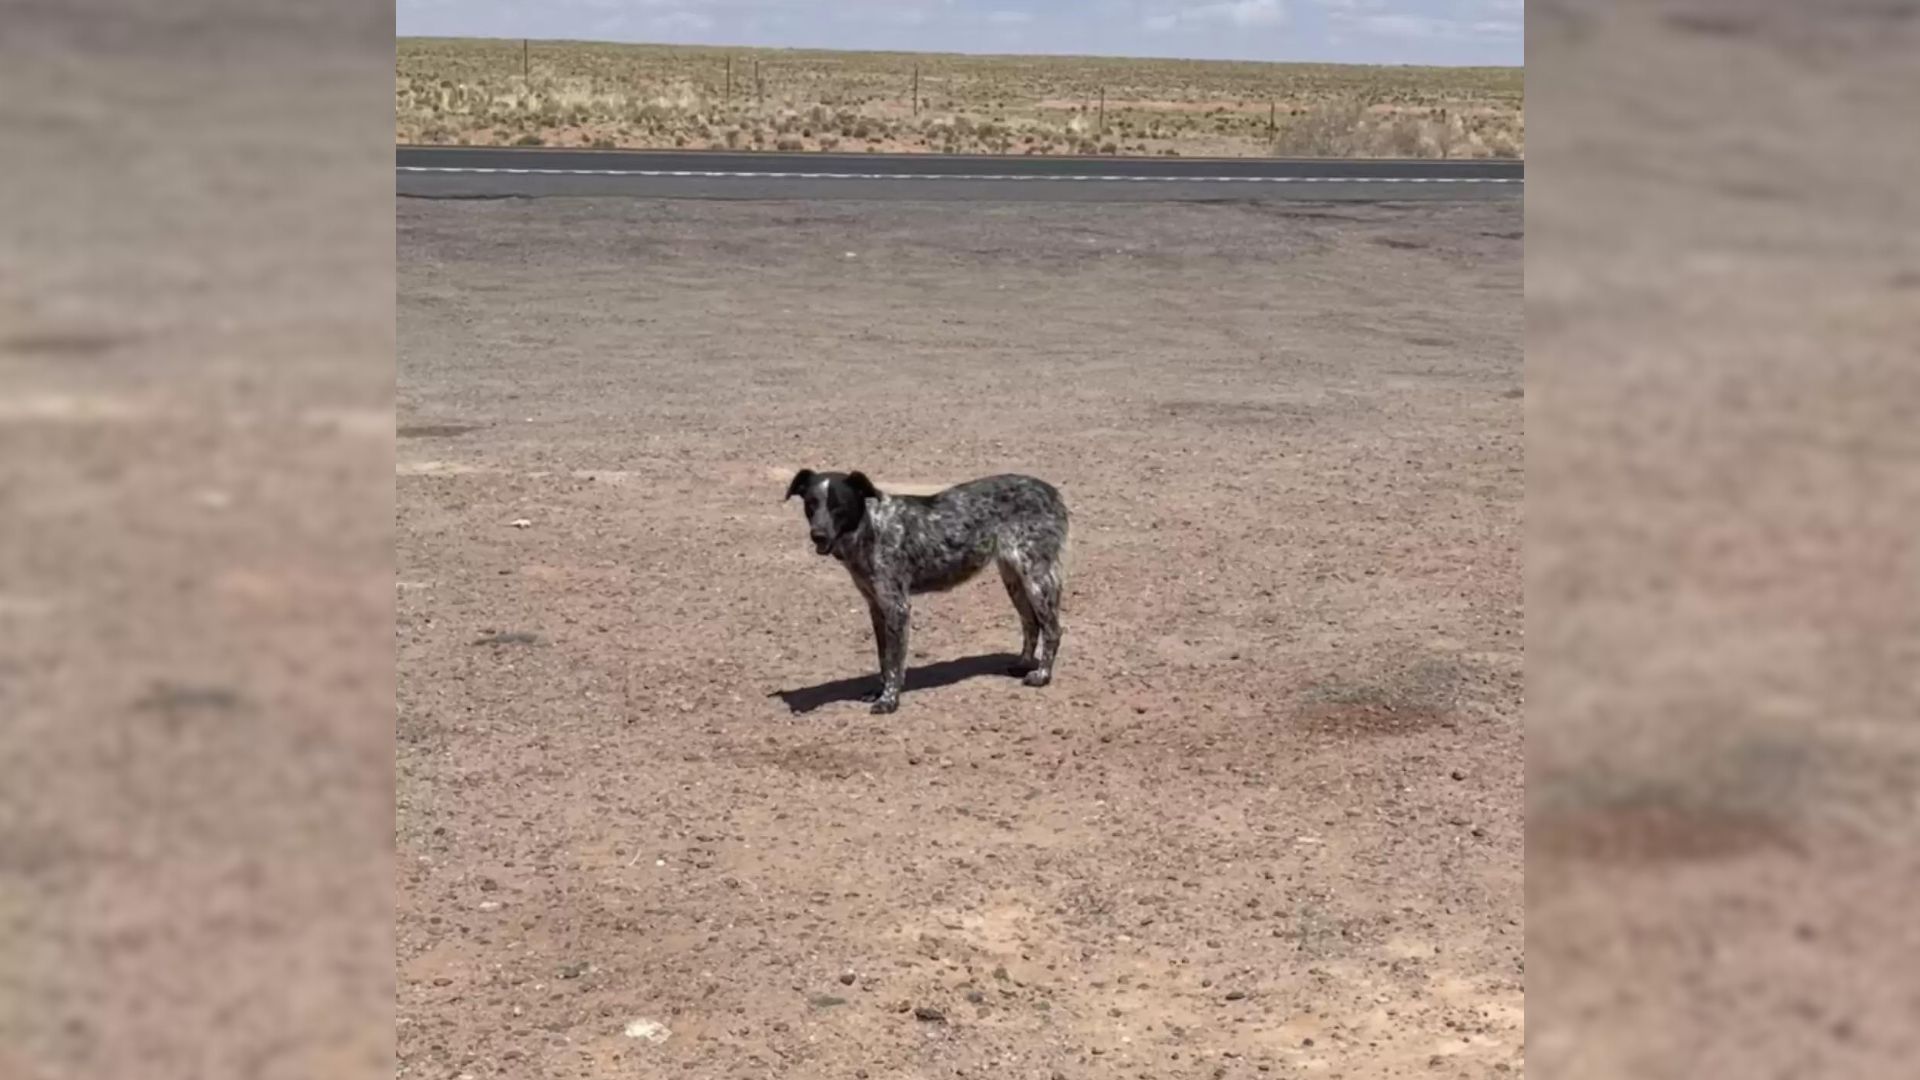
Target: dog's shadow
945 673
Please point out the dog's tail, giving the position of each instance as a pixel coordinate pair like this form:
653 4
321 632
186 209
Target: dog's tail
1064 560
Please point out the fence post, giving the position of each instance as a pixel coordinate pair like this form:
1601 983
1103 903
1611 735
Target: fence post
759 88
1103 112
916 89
729 98
525 71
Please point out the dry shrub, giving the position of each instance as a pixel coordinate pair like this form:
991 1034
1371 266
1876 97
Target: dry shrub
1329 129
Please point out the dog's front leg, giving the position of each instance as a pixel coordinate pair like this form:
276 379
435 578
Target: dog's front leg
893 653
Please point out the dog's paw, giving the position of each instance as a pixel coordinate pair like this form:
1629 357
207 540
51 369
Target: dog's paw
1038 678
883 706
871 696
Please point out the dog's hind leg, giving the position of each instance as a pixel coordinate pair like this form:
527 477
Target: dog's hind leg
1016 584
1041 577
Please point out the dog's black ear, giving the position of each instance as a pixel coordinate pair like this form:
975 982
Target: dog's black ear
858 481
800 481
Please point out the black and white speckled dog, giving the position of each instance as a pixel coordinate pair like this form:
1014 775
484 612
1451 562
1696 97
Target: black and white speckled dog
896 546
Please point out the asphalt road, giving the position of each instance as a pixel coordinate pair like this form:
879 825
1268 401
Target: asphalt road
498 172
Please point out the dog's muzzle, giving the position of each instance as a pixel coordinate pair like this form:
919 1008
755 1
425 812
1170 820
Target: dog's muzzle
821 545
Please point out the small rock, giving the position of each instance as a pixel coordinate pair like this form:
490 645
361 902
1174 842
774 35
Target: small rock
1000 973
825 1001
1459 774
522 523
846 978
975 997
1236 995
574 970
651 1030
929 1014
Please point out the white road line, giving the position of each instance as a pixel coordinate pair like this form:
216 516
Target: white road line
716 174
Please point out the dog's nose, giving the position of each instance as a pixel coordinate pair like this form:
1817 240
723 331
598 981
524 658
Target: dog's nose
818 538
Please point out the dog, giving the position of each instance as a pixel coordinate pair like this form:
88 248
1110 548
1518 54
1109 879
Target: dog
898 546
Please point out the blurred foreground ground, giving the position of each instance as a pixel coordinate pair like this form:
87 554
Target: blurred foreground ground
1723 319
196 683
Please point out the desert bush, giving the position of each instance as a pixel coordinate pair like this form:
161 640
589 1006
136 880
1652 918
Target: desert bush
1327 130
1402 137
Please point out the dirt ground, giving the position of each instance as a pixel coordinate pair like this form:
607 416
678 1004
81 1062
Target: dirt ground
1267 820
196 454
1723 301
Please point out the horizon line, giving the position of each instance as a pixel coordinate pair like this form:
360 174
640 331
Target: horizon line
970 55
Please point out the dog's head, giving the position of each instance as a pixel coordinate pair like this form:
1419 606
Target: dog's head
835 504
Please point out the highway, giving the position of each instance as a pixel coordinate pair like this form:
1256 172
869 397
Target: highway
500 172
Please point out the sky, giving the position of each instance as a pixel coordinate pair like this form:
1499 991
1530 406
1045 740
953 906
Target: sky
1341 31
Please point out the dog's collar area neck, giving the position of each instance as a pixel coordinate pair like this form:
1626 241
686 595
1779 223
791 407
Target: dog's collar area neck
845 546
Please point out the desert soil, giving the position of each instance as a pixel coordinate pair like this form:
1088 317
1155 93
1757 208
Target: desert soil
196 454
1723 301
1267 820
